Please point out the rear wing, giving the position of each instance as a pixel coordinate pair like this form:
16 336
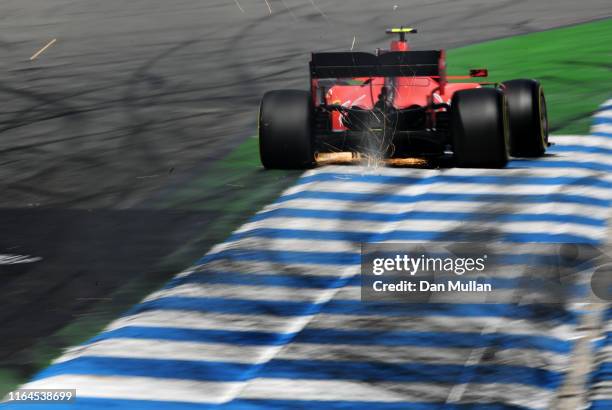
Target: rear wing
389 64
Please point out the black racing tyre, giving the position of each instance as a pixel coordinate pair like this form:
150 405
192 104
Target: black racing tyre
285 130
527 117
479 128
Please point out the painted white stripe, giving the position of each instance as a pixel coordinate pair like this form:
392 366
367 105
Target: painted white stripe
584 140
345 173
594 141
578 156
444 206
601 390
277 293
521 395
603 114
349 186
229 265
607 128
167 350
194 351
493 248
444 323
599 395
280 245
412 354
377 227
390 208
141 388
604 356
195 320
414 323
604 385
145 388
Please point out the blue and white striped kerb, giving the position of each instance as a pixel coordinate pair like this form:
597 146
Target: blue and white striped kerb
601 383
272 318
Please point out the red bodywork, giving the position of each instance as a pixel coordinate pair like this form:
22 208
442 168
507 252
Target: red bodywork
407 91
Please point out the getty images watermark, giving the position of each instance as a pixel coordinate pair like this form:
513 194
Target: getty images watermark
485 273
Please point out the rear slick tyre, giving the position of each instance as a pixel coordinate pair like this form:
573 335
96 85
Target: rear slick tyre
479 128
285 130
527 117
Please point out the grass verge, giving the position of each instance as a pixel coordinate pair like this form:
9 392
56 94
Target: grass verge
574 65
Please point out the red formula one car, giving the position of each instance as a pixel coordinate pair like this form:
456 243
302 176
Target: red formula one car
400 103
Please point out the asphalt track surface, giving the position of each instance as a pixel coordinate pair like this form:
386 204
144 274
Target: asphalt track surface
137 97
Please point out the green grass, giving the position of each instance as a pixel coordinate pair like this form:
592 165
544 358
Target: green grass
574 65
